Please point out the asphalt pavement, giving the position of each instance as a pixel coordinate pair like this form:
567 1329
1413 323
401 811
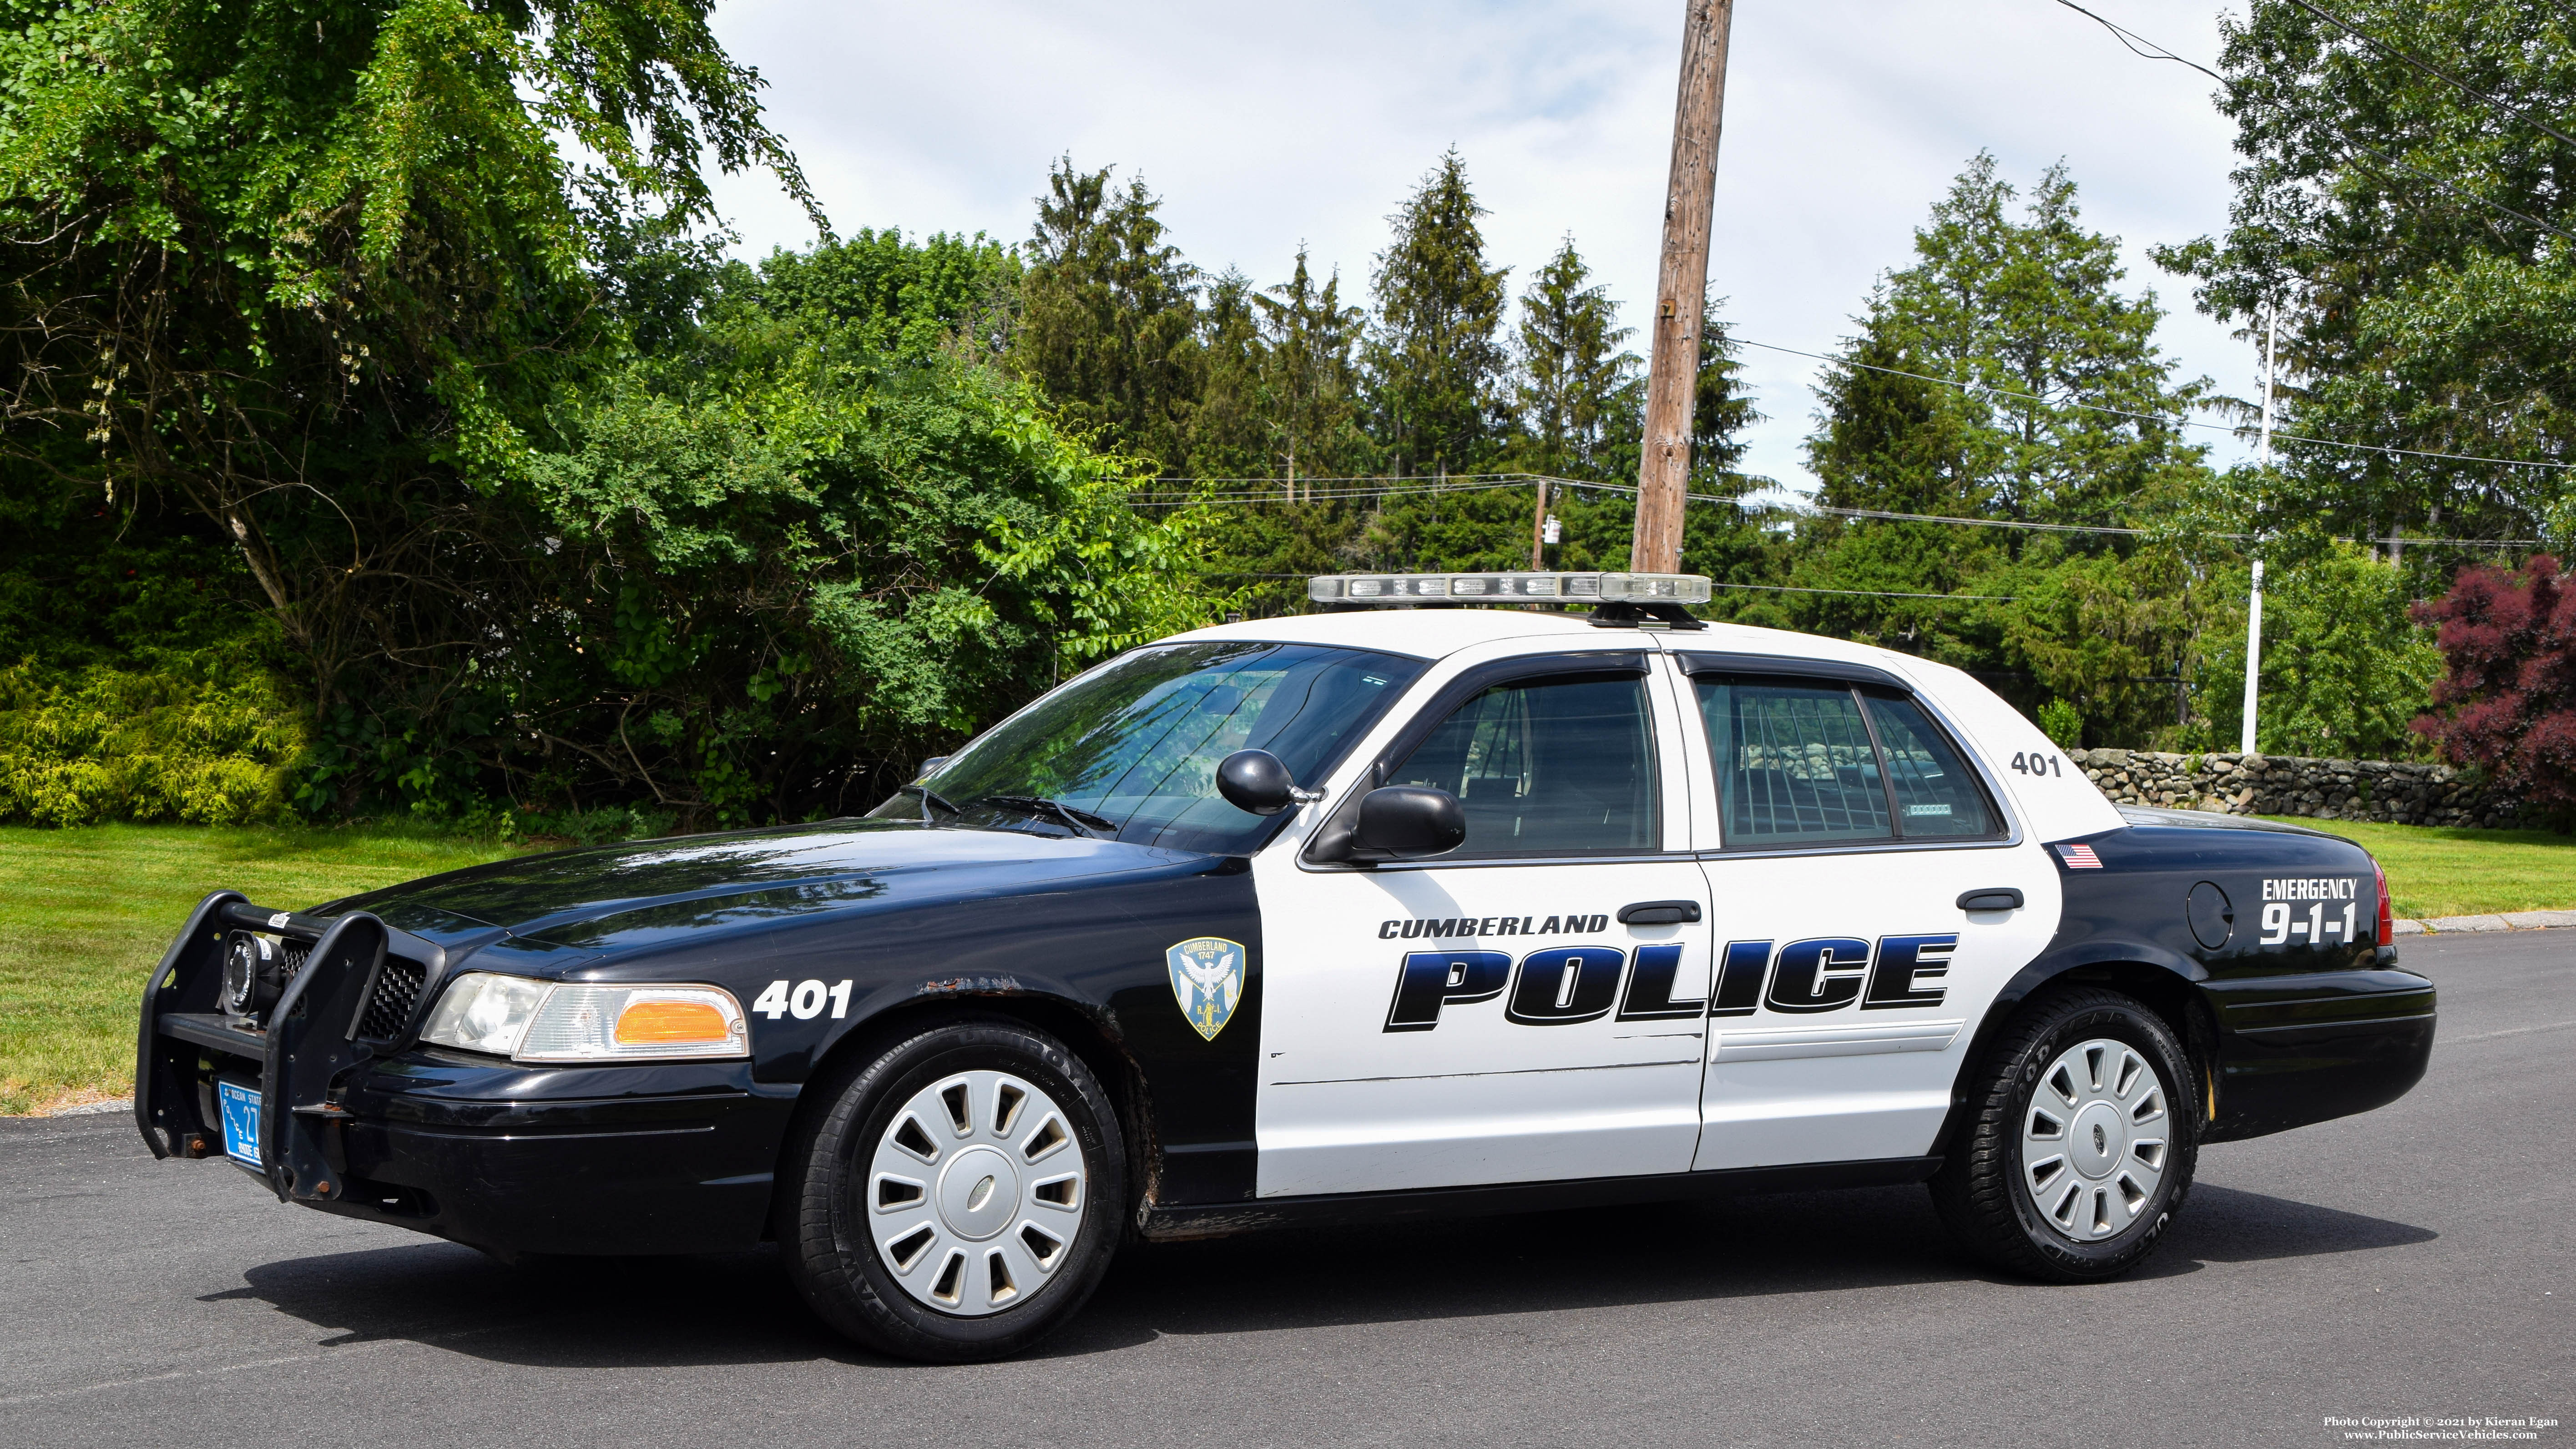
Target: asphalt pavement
2413 1261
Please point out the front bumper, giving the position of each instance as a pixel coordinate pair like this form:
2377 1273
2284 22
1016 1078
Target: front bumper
671 1157
356 1119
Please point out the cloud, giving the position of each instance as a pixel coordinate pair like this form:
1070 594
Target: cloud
1264 128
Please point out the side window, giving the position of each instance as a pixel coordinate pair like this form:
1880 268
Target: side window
1548 767
1935 794
1800 764
1794 764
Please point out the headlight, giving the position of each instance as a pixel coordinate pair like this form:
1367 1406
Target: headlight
534 1021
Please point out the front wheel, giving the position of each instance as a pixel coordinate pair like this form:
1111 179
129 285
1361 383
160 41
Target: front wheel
960 1196
2080 1143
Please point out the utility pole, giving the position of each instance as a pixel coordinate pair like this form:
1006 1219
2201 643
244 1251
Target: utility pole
2254 610
1681 288
1538 531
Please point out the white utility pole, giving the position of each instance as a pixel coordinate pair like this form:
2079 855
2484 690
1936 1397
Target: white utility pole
2254 612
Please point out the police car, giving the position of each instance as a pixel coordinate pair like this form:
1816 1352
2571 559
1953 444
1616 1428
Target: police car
1422 910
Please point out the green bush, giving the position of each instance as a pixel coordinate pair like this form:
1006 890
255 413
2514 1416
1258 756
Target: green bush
2062 722
2345 668
203 739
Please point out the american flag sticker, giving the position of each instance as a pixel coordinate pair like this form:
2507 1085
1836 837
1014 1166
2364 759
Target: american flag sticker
2080 857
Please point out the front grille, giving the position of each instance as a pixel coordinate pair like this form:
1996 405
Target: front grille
389 1006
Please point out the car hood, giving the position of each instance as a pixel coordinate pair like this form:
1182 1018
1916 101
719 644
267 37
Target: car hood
616 897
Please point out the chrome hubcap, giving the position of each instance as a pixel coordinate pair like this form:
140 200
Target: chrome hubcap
975 1193
2094 1141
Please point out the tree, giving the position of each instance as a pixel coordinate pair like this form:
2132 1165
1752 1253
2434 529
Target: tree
2067 409
1435 361
1110 316
1578 390
2404 203
1580 404
2507 699
817 544
2346 671
1310 377
1230 427
1298 372
1721 411
314 271
2004 376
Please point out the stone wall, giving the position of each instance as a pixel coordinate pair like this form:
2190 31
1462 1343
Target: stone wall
2381 790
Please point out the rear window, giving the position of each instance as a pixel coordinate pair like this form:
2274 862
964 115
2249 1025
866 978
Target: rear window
1809 763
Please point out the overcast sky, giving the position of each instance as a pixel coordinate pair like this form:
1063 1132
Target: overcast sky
1844 120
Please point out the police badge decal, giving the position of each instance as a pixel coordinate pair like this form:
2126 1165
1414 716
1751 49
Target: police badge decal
1207 979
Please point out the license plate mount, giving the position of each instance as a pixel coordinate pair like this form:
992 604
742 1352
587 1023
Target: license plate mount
240 1107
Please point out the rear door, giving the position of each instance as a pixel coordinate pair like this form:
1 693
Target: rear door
1851 825
1525 1008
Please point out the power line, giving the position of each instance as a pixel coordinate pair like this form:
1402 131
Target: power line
1393 487
2152 51
1869 593
2167 419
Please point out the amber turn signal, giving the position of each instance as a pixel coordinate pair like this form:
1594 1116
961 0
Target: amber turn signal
670 1022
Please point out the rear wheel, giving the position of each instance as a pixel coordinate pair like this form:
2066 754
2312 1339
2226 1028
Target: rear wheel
2080 1144
960 1196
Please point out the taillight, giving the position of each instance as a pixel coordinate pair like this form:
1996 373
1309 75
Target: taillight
2387 918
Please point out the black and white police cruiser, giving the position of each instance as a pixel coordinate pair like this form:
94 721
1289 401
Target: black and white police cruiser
1415 911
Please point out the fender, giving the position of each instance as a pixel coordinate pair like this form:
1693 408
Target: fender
1084 957
2053 963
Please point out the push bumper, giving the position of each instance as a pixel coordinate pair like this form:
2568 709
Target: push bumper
357 1119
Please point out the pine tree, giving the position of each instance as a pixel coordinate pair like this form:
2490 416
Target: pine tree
1435 361
1230 426
2004 376
1581 404
1310 377
1578 388
1718 538
1110 321
1721 412
2066 417
1305 424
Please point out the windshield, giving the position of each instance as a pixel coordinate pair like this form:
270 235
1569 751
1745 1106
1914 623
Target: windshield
1130 750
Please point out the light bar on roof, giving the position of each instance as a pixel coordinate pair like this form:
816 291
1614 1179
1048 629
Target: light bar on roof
1508 588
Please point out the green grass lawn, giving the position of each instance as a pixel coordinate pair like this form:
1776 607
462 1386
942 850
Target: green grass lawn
2436 871
85 915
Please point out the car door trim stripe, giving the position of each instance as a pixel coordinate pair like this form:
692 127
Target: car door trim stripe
1773 1043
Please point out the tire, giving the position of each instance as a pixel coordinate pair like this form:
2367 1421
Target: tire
958 1197
2090 1201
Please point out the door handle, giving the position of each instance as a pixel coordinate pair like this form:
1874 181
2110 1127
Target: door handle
1993 898
1658 913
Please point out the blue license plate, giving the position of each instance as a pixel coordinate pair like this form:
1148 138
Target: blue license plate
241 1122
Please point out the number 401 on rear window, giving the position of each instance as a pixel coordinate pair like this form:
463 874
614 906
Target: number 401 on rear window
2036 763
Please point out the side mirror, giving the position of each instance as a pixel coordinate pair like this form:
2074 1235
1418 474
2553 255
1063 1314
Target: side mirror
930 767
1258 782
1409 820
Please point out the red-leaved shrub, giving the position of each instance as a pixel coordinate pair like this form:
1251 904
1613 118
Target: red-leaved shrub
2507 700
